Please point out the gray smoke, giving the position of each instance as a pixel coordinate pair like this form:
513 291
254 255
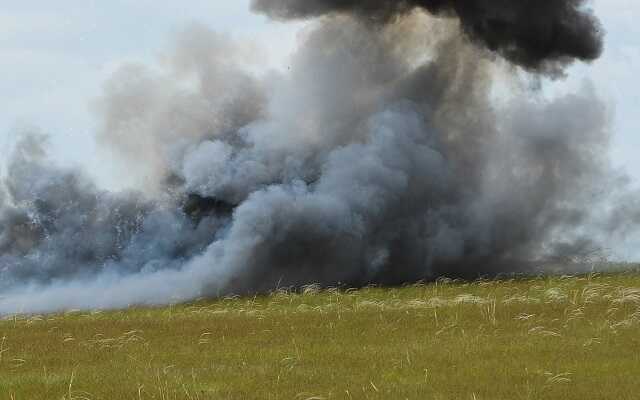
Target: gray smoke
381 156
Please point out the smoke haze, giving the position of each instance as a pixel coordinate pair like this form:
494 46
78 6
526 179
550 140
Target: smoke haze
380 156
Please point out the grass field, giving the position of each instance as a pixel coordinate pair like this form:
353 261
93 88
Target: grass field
544 338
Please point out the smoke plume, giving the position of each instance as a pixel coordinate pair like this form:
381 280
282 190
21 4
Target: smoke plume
381 156
536 35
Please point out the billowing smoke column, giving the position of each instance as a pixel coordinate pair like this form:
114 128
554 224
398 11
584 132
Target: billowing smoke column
381 156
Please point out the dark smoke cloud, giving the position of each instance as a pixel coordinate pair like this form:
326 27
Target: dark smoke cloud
379 157
538 35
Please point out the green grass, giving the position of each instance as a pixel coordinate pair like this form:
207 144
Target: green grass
545 338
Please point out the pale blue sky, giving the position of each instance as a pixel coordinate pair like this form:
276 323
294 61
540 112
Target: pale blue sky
56 55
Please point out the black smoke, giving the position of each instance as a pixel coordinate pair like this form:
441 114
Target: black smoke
538 35
381 156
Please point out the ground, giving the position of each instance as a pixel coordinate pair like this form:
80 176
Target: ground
540 338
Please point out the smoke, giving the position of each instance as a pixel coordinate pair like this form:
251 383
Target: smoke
380 156
537 35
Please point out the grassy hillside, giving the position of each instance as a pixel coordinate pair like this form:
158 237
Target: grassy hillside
546 338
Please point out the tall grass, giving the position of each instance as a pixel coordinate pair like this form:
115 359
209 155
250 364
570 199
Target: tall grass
542 338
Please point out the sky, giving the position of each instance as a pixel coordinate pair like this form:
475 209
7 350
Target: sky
55 57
